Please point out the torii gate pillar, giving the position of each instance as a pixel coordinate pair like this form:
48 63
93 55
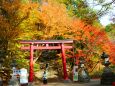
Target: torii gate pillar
31 70
33 46
64 62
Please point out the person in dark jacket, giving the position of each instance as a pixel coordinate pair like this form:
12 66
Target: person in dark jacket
45 77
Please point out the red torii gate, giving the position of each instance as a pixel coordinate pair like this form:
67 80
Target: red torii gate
50 45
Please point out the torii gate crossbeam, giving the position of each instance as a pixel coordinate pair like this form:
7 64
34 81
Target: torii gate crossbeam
46 44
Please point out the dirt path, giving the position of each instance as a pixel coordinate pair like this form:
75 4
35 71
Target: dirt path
93 82
53 80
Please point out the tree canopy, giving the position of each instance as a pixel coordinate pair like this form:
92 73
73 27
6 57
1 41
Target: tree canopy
48 19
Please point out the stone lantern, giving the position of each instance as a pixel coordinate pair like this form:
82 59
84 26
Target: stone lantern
14 69
14 64
107 76
105 58
83 75
14 80
1 81
1 62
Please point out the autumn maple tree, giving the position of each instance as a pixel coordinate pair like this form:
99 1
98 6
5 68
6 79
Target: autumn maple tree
53 20
27 20
91 41
17 20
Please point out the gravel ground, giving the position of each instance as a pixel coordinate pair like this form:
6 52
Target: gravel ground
53 80
93 82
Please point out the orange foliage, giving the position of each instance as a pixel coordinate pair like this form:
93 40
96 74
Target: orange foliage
94 39
8 20
112 53
53 20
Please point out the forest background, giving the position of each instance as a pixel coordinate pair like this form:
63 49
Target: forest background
55 20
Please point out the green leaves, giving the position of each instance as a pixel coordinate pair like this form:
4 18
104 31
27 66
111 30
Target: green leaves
110 29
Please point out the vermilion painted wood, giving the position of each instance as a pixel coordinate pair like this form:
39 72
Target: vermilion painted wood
47 48
31 71
33 45
45 41
64 62
113 84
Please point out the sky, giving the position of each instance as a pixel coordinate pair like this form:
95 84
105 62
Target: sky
104 20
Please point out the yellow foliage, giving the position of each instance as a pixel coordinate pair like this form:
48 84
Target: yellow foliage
55 19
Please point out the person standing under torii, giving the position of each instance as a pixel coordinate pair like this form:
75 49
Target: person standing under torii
44 77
